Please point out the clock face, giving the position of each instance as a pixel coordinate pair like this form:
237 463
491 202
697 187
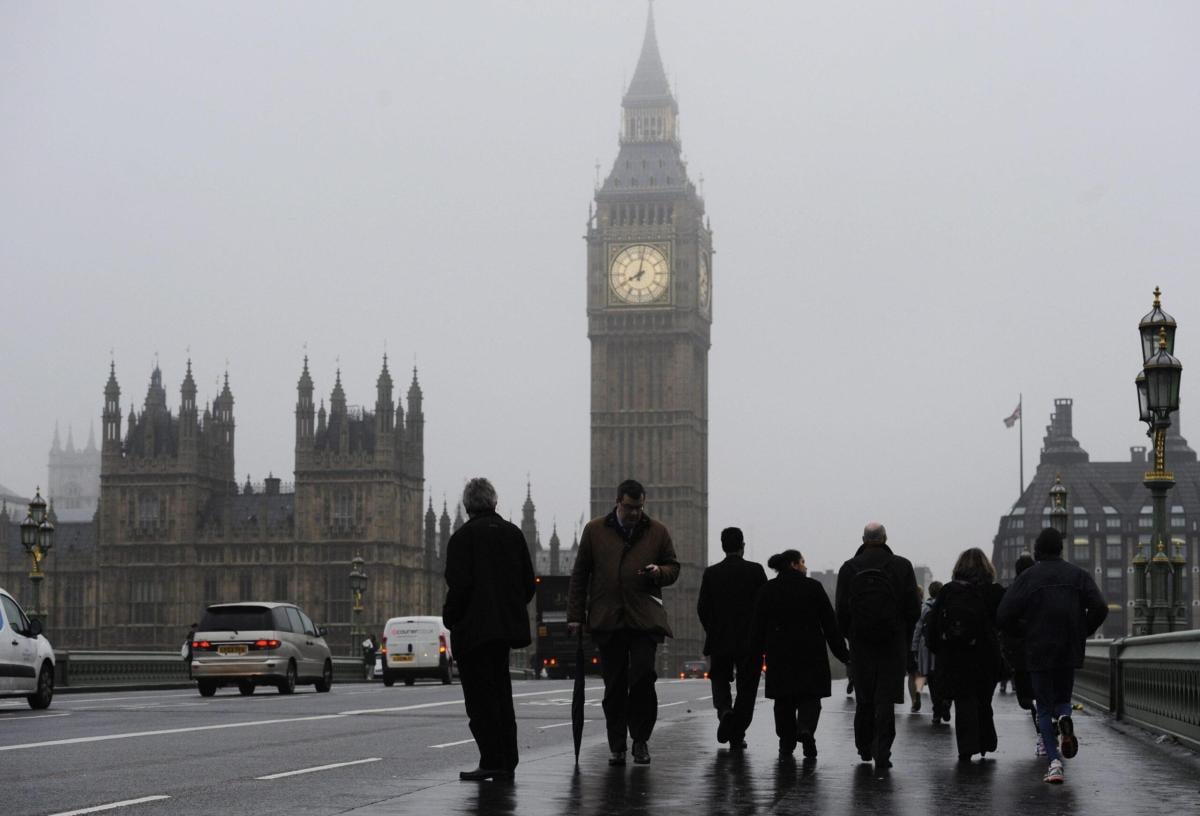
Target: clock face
639 274
705 284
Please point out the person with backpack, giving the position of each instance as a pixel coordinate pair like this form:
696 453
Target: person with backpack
793 625
962 633
1056 606
926 661
877 609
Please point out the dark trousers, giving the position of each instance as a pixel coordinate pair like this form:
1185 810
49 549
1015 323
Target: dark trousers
748 670
487 692
630 702
937 694
795 717
974 724
1052 696
878 686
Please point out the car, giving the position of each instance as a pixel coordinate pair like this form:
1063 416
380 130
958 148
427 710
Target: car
26 657
416 646
253 644
697 669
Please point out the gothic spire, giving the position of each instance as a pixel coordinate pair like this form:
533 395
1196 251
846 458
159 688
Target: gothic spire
70 439
649 83
56 445
91 443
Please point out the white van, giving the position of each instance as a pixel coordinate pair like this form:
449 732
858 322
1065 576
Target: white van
416 646
26 657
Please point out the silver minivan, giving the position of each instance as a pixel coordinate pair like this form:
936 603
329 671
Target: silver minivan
254 644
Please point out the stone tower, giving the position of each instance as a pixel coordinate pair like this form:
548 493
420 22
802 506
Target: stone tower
649 303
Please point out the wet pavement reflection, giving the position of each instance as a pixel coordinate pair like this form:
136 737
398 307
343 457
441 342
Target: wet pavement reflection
691 774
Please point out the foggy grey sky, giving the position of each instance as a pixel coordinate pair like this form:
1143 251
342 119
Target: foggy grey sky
920 210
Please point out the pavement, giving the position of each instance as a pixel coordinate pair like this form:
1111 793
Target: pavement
1116 772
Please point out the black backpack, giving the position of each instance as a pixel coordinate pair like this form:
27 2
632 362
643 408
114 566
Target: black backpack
962 619
873 608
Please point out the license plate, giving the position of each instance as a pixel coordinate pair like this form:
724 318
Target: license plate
401 658
232 650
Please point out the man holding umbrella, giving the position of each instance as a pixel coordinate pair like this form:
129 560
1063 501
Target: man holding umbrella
624 561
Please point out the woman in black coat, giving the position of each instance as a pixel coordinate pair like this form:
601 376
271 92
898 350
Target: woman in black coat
793 623
961 630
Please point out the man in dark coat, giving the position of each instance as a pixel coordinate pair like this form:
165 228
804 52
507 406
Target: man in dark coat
793 624
490 582
725 607
623 562
877 608
1057 606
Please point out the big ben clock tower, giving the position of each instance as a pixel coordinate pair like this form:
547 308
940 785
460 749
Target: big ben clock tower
649 315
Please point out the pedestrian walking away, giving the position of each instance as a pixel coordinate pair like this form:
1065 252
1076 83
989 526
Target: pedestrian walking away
962 633
726 606
927 669
1056 606
624 560
793 624
877 609
914 691
1012 646
186 651
369 648
489 584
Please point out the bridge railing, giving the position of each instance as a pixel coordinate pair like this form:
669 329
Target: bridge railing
77 669
1153 681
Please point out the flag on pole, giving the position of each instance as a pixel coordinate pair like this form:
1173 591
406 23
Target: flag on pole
1012 418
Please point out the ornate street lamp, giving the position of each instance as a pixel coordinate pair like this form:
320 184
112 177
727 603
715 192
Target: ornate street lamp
1058 506
358 585
1158 398
37 537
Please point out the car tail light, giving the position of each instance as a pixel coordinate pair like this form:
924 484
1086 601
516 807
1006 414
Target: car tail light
264 643
441 644
554 661
595 661
682 676
706 675
545 661
202 645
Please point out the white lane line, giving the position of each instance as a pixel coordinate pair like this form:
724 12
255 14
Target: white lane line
668 705
35 717
452 744
254 723
319 768
556 725
705 697
164 731
112 806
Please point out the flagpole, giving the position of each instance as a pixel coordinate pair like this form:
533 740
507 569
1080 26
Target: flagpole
1021 439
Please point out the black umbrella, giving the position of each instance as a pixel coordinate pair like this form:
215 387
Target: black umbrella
577 698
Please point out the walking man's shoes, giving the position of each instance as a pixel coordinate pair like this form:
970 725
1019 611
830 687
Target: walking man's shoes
810 745
1068 745
484 774
1054 775
641 753
723 729
616 758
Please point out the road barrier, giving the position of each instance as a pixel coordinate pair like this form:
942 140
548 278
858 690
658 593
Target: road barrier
89 670
1153 681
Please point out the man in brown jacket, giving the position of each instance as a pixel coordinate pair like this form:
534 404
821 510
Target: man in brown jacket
624 560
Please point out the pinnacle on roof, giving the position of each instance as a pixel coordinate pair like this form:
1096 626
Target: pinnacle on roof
415 388
189 383
306 383
111 388
385 376
337 400
649 78
91 443
56 444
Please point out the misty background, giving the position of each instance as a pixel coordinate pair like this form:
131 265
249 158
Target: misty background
919 212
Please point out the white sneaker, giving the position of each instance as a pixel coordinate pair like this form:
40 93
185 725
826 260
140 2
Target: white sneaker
1054 774
1039 748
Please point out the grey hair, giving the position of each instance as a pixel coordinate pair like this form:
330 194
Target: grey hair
479 497
874 533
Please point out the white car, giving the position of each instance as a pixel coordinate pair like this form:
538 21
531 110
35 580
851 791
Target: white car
26 657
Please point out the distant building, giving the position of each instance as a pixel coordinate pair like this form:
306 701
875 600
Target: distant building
73 482
174 532
1110 514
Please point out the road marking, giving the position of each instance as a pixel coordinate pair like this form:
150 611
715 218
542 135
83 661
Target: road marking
417 706
319 768
35 717
668 705
164 731
705 697
112 806
452 744
556 725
